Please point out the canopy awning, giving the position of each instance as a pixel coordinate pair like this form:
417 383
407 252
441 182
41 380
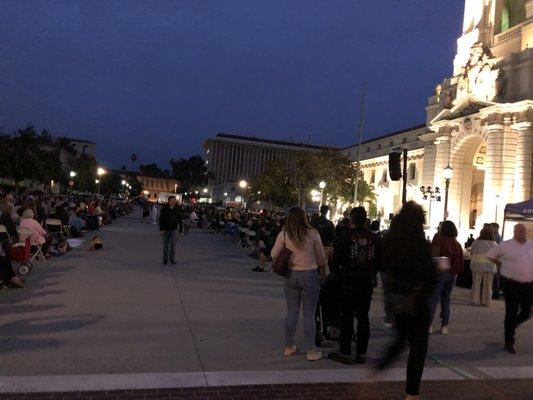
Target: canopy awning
520 211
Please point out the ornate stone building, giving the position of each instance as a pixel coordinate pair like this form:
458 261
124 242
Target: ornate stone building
479 121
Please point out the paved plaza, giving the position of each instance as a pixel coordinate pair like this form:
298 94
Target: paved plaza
119 322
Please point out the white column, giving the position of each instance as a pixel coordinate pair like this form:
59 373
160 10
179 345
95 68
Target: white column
524 162
493 171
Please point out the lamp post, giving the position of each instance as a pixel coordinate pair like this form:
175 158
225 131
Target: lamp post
72 174
431 194
99 172
448 174
243 185
322 185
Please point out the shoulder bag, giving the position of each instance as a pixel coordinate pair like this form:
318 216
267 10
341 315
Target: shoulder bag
281 263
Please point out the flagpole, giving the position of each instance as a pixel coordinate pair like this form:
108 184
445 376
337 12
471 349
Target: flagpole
358 162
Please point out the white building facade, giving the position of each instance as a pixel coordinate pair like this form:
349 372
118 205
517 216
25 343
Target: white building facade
479 122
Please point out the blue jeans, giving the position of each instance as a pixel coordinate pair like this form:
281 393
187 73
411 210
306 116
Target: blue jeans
169 245
442 293
302 288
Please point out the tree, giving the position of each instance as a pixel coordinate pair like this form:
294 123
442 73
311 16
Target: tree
191 173
285 185
151 169
85 167
275 186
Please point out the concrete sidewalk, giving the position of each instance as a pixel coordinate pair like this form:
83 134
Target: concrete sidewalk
208 320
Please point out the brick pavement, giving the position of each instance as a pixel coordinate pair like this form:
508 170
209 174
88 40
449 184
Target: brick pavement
431 390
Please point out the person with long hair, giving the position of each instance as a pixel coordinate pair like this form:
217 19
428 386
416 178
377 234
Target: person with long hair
411 281
445 246
483 269
307 265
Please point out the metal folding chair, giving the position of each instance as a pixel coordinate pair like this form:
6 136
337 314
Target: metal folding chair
25 233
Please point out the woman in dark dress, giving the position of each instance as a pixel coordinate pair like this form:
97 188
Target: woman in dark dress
407 261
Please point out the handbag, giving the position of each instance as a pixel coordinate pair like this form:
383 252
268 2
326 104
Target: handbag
281 263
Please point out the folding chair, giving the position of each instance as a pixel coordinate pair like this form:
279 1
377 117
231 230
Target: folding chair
25 233
53 225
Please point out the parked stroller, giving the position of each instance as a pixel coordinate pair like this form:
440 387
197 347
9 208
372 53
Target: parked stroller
20 253
328 313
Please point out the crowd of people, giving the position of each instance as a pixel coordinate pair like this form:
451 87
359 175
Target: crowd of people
341 264
47 222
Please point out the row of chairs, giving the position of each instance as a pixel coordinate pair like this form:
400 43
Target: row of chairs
51 225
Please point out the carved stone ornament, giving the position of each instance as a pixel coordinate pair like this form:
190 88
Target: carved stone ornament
479 77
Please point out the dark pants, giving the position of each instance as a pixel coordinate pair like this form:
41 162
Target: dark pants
414 330
356 298
169 245
518 298
6 270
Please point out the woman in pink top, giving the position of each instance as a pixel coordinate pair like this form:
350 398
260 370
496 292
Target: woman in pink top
38 234
302 287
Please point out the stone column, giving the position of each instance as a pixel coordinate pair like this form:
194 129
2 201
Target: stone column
494 171
524 162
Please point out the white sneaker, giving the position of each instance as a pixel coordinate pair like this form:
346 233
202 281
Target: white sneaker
289 351
430 329
444 330
313 355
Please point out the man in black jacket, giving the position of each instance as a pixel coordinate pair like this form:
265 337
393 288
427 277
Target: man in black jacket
326 229
357 255
170 220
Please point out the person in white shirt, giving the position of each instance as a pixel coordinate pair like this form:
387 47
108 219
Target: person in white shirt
516 259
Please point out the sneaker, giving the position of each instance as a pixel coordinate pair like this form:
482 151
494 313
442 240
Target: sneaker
510 348
387 325
165 262
430 330
313 355
289 351
444 330
343 359
258 269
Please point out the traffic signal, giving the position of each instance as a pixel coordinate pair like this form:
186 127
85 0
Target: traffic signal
395 166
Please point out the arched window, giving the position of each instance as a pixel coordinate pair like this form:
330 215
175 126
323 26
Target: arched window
512 13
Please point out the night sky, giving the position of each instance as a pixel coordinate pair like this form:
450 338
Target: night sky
157 78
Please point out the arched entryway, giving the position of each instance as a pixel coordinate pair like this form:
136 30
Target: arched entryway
468 160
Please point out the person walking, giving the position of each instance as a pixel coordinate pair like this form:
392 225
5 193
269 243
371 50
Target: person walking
445 247
483 269
302 285
170 220
412 277
516 258
357 256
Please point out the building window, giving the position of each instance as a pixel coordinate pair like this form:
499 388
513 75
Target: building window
379 146
385 176
412 171
368 149
404 140
391 143
373 176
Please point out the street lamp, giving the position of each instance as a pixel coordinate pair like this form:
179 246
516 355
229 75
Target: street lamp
448 174
431 194
100 171
72 174
243 184
322 185
205 190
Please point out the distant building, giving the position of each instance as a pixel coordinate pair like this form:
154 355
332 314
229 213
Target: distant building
232 158
154 187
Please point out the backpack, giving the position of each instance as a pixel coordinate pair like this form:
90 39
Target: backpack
362 251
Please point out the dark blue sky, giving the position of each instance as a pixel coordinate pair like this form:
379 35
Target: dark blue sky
158 77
